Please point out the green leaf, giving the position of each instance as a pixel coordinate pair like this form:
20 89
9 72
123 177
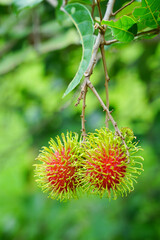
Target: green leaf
122 29
128 10
83 21
148 13
21 4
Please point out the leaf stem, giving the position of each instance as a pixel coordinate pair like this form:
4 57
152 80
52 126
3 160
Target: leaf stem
119 10
106 80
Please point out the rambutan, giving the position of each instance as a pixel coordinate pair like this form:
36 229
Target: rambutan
107 169
58 171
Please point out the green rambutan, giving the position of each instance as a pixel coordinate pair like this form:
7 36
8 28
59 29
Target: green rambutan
107 170
57 173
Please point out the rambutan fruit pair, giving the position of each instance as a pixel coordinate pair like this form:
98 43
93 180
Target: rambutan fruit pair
100 165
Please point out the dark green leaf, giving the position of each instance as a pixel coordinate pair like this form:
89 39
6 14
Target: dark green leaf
83 21
133 29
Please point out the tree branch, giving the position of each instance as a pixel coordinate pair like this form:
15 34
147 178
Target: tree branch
99 39
83 96
83 113
81 93
90 85
109 42
113 14
152 31
106 80
90 68
93 7
99 9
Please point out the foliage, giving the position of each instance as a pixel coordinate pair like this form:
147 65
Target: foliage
124 29
84 23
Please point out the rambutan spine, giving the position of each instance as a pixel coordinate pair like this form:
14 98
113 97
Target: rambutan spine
106 169
58 173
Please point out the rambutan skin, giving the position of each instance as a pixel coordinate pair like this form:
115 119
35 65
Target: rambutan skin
106 168
57 173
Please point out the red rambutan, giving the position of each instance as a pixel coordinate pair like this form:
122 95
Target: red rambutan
58 172
106 166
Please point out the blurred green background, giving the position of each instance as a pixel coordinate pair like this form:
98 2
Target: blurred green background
39 55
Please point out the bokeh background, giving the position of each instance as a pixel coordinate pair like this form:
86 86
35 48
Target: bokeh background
39 54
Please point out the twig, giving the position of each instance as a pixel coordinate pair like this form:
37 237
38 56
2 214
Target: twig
90 85
104 64
93 7
113 14
99 9
89 70
83 96
99 39
106 80
83 113
152 31
109 42
82 92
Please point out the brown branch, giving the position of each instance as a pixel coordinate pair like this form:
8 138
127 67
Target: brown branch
106 80
99 9
93 7
99 39
81 93
152 31
89 70
83 96
90 85
83 114
109 42
149 32
113 14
